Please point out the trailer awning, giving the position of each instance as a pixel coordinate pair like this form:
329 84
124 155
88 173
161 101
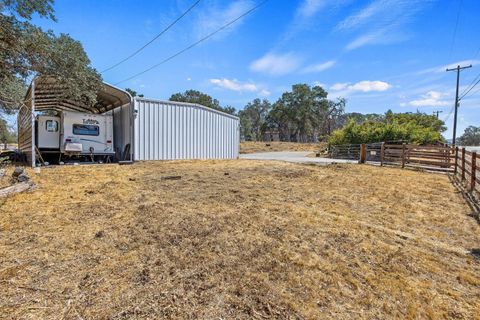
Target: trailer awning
48 95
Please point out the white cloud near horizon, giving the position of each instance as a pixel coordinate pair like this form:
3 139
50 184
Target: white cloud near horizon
276 64
362 86
430 99
319 67
235 85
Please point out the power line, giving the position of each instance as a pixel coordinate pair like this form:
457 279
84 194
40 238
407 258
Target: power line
155 38
478 81
476 91
468 87
449 114
456 26
195 43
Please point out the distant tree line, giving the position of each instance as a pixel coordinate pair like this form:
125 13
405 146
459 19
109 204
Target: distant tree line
471 137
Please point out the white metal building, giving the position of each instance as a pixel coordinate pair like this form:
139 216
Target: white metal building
143 129
166 130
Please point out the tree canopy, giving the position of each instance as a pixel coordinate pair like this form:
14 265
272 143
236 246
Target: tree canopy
419 128
134 93
253 119
302 114
195 96
471 137
27 51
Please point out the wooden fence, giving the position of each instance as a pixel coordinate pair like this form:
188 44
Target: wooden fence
345 151
466 169
440 158
424 157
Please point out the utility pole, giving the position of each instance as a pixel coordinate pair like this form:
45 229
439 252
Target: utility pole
458 69
437 112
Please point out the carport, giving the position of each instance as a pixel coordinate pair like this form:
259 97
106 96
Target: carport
45 93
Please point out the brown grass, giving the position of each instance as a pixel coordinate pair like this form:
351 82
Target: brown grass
259 146
238 239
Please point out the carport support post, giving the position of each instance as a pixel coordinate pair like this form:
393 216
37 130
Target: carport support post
473 168
463 164
33 123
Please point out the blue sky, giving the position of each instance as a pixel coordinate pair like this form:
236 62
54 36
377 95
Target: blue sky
378 54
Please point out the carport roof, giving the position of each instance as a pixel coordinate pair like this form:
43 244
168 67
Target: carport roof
48 94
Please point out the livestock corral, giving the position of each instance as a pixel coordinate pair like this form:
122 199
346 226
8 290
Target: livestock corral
238 239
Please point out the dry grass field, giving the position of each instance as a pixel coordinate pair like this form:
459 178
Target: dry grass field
238 240
260 146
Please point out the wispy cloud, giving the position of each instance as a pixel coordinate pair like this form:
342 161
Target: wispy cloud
308 8
440 69
238 86
305 17
276 64
215 17
381 21
319 67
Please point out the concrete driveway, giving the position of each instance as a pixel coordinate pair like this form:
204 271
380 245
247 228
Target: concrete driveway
293 156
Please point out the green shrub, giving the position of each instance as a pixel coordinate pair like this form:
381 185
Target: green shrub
418 128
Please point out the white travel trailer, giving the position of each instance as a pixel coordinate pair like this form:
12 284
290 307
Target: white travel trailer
120 128
75 134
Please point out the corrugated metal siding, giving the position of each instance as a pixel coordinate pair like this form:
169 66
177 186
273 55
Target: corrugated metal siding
122 131
24 122
166 130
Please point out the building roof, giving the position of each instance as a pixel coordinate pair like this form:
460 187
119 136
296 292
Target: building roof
49 95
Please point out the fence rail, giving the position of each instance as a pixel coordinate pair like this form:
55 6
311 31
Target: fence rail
466 169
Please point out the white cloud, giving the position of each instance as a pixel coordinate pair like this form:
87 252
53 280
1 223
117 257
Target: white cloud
234 85
319 67
344 89
189 79
238 86
368 86
339 86
276 64
264 93
319 84
215 17
430 99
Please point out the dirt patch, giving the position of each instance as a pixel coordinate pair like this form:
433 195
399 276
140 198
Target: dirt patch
253 147
266 240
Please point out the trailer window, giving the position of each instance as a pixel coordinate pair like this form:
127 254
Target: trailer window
86 129
51 125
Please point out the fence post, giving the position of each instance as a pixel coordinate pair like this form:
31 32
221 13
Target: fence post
382 153
473 168
403 155
463 163
456 160
363 152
